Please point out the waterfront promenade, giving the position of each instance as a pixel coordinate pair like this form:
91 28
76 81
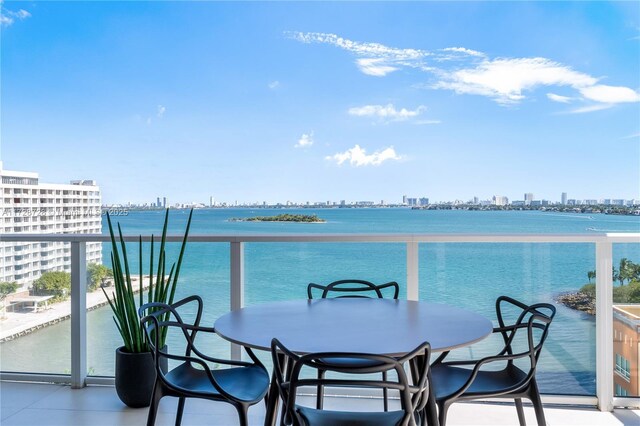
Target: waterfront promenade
25 321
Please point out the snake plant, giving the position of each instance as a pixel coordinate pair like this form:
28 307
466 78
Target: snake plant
161 289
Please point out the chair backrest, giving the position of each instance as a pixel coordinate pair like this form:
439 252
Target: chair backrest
535 319
353 288
157 318
413 395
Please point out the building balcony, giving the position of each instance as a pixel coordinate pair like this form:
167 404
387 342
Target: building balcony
576 375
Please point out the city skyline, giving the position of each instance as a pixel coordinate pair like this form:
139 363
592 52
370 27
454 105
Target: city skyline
403 200
324 101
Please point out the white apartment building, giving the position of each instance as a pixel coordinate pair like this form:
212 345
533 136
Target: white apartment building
31 207
500 200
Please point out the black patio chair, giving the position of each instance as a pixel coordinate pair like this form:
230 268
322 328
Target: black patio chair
242 384
288 369
352 288
467 380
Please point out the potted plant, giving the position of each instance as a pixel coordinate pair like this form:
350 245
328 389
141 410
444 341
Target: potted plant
135 369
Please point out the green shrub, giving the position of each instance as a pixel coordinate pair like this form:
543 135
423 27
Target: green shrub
56 283
589 290
621 294
6 288
96 274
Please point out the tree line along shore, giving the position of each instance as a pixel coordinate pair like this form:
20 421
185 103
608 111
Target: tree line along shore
301 218
626 275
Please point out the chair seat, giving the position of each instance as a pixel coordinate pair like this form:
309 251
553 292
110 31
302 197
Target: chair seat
313 417
244 383
447 380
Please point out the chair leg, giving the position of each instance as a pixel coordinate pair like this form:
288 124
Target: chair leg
156 396
320 397
520 411
385 392
242 414
534 396
181 402
431 408
442 413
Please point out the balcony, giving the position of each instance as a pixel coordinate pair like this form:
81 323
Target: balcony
408 255
47 404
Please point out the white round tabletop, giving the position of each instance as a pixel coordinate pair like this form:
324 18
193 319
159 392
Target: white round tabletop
379 326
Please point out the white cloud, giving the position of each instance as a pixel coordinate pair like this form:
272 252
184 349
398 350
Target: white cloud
8 17
5 20
274 85
357 156
466 71
22 14
376 67
423 122
386 112
589 108
375 59
305 141
506 79
375 50
161 111
610 94
457 54
632 136
559 98
469 52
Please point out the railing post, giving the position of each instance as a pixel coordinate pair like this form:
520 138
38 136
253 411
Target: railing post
412 271
237 287
78 314
604 325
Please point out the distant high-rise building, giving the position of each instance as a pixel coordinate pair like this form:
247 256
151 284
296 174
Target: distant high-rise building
500 200
164 202
404 199
563 199
212 201
424 201
412 201
528 198
475 200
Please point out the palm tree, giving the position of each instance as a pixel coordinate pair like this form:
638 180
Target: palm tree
591 275
627 270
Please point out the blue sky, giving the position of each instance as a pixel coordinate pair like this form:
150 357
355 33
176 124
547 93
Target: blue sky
324 101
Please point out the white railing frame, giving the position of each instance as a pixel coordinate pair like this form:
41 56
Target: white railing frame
604 287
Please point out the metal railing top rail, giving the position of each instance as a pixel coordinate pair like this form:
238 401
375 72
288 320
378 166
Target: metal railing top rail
629 237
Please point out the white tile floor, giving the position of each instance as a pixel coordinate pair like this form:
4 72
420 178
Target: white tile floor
53 405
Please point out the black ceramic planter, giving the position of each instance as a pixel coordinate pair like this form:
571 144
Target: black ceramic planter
135 377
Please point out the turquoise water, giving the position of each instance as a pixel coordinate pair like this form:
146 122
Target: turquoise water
467 275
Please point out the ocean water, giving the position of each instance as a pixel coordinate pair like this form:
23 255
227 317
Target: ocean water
468 275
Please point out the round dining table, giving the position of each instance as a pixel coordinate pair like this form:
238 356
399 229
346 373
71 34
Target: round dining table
375 326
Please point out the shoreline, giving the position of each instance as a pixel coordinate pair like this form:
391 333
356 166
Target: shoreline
22 323
577 301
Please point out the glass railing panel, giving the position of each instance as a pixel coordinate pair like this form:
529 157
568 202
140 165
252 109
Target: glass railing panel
473 275
626 320
204 272
35 331
282 271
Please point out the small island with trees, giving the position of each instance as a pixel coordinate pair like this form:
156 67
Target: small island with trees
627 275
302 218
